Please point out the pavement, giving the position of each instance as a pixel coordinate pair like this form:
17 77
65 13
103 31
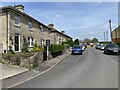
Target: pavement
93 69
18 74
11 70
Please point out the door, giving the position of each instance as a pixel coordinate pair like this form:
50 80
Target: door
17 43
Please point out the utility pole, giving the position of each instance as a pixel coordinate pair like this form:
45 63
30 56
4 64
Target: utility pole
110 30
104 36
107 36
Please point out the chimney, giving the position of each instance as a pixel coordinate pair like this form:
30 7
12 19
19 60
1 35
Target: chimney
63 32
51 25
19 7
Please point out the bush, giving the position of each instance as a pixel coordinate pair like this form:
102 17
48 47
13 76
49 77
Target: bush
56 50
35 63
10 50
37 47
25 45
118 43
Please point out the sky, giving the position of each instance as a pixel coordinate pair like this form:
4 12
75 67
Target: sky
78 19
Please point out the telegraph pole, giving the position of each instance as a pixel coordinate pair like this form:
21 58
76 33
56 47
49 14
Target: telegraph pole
110 30
104 36
107 36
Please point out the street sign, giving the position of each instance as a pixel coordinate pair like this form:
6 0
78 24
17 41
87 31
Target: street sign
47 42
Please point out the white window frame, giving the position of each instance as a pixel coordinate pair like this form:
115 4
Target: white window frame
42 42
30 25
42 29
18 21
30 42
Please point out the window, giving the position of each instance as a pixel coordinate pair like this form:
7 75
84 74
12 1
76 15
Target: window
30 25
42 29
30 42
17 21
42 42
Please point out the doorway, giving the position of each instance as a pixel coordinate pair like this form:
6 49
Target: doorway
17 43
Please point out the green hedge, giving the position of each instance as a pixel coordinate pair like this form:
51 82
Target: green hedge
56 50
118 43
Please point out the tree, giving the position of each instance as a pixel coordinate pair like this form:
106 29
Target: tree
87 40
70 43
95 40
76 42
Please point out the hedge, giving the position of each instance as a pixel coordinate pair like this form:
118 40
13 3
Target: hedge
56 49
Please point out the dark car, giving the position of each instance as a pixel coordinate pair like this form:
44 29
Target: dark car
112 49
77 49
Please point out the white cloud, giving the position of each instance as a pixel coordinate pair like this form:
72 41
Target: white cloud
57 15
96 3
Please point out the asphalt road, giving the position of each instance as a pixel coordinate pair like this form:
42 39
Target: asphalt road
93 69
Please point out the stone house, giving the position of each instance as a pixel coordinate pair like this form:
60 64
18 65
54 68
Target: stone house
116 35
16 24
58 37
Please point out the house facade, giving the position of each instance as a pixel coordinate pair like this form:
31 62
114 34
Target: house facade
58 37
116 35
16 25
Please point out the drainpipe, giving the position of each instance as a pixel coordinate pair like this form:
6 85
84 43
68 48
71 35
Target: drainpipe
6 32
116 35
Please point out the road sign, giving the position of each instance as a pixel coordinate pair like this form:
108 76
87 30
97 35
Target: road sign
47 42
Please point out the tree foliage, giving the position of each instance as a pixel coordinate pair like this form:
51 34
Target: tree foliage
76 42
87 40
95 40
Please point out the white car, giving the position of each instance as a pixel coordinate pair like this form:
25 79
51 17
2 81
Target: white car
102 47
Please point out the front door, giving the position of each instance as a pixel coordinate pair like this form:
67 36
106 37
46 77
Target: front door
17 43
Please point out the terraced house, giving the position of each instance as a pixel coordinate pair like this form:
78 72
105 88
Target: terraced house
58 37
116 35
16 24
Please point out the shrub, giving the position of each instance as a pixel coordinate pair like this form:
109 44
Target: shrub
118 43
35 63
10 49
37 47
25 45
56 49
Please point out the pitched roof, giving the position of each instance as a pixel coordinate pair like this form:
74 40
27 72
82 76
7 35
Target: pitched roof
54 30
11 8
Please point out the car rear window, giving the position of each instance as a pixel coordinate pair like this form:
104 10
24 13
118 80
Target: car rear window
113 45
77 46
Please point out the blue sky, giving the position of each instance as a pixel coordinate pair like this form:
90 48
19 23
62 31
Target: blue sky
78 19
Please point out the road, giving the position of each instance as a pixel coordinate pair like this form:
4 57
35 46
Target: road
93 69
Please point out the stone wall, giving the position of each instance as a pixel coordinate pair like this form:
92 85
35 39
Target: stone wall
27 62
30 61
1 47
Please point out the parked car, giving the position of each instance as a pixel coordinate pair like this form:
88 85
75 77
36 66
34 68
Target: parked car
102 47
77 49
112 49
98 46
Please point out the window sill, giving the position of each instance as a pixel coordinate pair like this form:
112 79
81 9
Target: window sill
17 25
31 30
30 46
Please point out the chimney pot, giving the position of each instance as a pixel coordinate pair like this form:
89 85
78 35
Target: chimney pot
19 7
